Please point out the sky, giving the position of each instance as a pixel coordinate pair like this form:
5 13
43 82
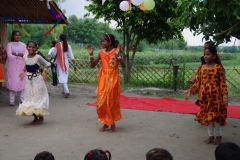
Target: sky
76 7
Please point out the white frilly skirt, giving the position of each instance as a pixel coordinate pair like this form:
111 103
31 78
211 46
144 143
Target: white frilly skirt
36 99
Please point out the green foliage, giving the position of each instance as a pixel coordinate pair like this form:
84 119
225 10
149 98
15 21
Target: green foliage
216 19
34 30
157 58
86 31
45 47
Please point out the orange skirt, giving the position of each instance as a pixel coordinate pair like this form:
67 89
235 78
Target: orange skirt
1 73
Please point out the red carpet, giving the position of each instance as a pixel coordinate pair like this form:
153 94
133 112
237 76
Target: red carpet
166 105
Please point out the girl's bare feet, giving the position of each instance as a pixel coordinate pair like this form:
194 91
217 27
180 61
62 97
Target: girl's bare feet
40 120
113 128
209 140
218 140
104 127
34 120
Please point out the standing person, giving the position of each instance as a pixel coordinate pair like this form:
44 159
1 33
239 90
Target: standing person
1 77
62 51
53 64
36 100
15 63
213 95
2 61
108 92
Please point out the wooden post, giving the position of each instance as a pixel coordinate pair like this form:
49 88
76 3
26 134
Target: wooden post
175 72
183 77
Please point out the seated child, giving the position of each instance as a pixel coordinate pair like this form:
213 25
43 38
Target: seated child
158 154
98 154
227 151
45 155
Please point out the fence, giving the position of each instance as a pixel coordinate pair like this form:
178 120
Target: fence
151 76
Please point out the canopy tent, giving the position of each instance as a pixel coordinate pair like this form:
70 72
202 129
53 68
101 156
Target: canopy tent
27 11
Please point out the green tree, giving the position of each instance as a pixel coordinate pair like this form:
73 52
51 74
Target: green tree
86 30
218 20
137 25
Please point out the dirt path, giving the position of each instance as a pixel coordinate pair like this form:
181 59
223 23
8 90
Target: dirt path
71 130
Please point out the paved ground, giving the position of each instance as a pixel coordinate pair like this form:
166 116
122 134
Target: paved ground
71 130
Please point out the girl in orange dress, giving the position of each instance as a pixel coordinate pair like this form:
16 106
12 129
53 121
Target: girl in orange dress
1 77
213 93
2 50
108 92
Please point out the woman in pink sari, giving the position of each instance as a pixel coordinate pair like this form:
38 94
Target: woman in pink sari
15 64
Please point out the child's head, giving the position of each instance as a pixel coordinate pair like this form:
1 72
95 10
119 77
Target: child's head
53 43
210 55
208 44
32 47
158 154
108 40
15 37
98 154
227 151
45 155
63 37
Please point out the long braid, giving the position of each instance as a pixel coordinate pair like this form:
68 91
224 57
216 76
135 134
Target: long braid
63 38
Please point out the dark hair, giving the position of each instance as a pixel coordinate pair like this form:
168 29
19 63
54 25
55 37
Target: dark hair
45 155
227 151
35 43
213 50
53 43
98 154
158 154
110 38
13 33
63 38
210 43
203 60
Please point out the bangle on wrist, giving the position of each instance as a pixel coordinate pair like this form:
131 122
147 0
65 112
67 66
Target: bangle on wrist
119 56
16 53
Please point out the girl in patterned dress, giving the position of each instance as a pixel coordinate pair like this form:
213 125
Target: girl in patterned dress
213 101
108 91
36 100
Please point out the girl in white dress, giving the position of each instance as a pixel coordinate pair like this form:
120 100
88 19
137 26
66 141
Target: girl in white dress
36 100
62 51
